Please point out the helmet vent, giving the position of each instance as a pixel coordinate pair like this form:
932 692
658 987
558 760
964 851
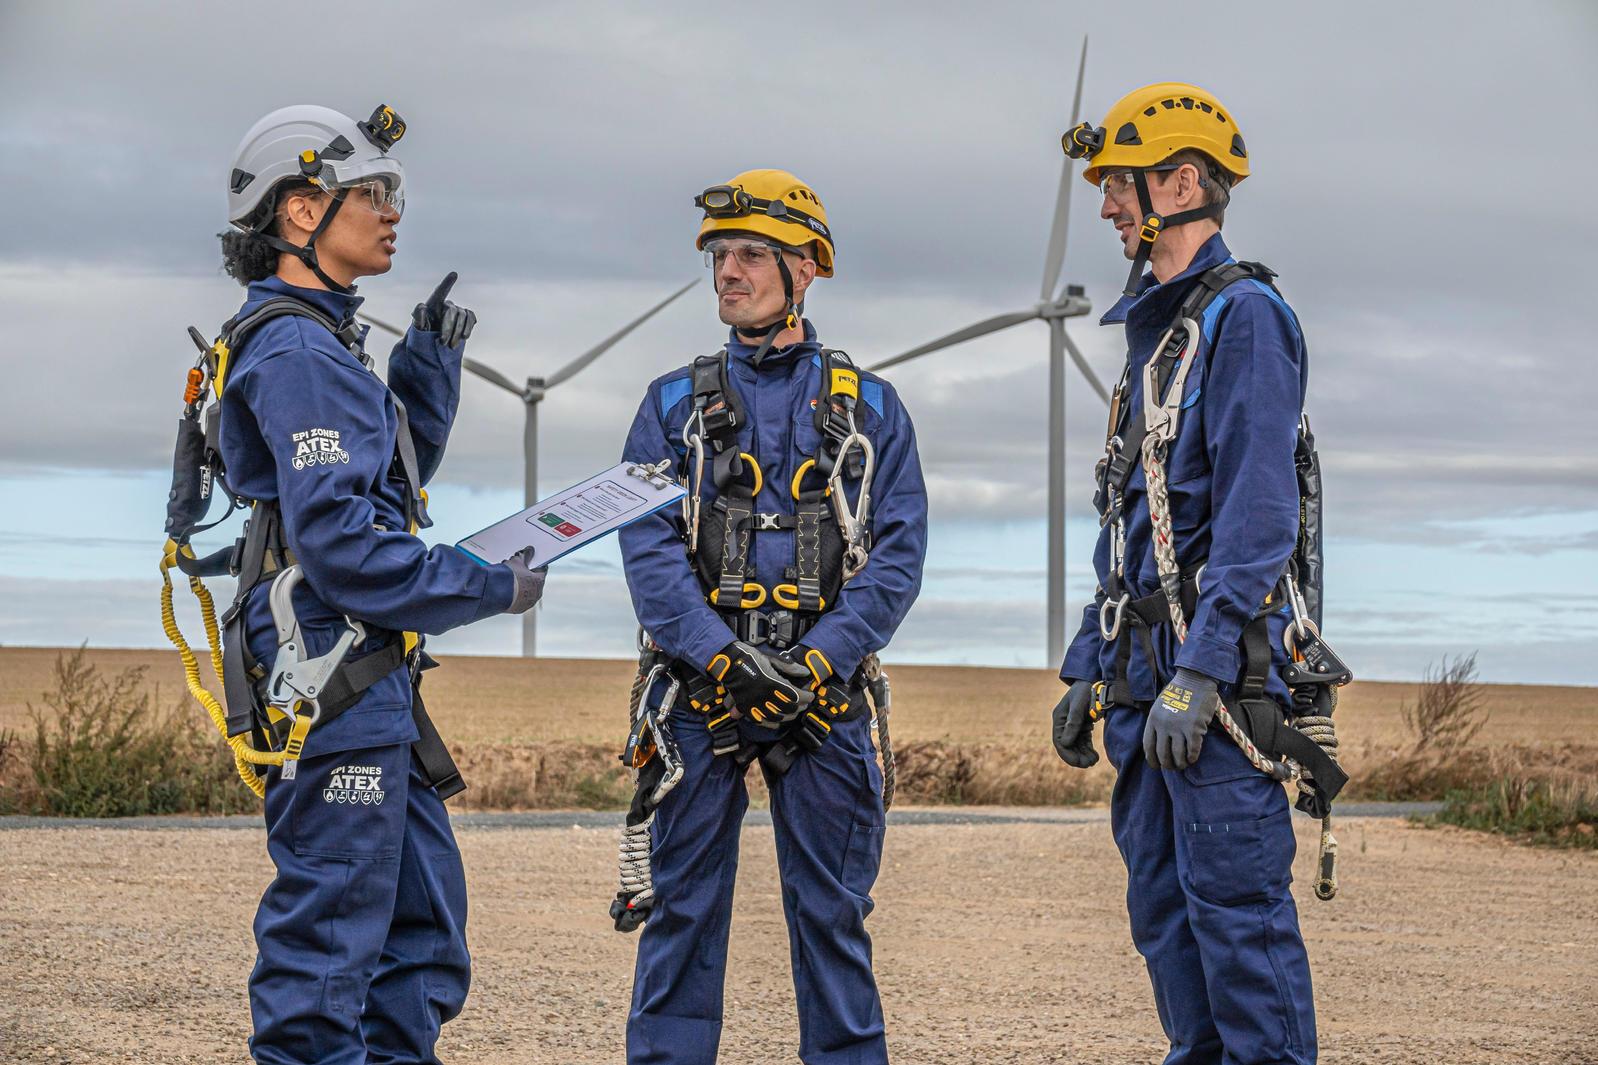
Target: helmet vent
1187 102
1127 134
1150 111
1237 146
240 181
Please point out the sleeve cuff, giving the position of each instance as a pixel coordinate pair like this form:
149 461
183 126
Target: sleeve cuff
845 660
499 589
705 643
1216 660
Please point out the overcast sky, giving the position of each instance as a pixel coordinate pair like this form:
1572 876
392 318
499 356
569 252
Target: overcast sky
1419 182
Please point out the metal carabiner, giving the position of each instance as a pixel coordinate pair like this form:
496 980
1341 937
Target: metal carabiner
695 445
853 524
1109 629
1161 413
297 682
1302 626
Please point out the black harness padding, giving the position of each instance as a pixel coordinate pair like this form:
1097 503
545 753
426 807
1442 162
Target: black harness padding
729 523
262 552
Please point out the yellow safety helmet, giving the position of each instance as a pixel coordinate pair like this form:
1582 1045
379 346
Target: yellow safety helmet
1151 124
769 203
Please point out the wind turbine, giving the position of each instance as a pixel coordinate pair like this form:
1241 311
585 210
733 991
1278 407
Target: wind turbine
532 394
1054 308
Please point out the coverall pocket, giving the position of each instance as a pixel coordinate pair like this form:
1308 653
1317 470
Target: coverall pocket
350 804
1231 863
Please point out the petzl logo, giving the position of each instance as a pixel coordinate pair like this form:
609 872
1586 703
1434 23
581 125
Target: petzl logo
317 447
355 785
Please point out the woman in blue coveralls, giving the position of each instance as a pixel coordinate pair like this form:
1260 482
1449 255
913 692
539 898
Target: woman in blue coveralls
768 637
1206 837
361 934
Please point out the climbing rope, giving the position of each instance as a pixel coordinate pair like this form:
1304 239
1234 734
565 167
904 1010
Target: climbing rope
246 758
1161 417
881 696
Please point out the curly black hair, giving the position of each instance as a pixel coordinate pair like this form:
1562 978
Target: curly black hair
246 256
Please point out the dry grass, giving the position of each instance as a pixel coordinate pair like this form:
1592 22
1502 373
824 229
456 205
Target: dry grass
545 733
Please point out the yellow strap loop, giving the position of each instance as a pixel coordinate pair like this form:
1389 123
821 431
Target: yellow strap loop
754 595
787 596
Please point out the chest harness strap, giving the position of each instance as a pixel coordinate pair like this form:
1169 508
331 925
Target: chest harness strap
267 717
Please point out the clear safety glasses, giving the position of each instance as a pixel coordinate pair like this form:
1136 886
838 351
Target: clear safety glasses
1120 184
749 254
382 195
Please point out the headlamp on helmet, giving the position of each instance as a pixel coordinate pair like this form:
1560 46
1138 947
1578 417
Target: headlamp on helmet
1082 141
384 128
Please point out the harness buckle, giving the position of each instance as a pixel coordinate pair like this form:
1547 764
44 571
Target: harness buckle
766 522
1150 228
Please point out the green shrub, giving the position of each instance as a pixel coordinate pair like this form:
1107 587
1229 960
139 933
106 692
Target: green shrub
1559 814
101 748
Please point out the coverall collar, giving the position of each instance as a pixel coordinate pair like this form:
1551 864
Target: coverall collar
1212 252
804 349
338 305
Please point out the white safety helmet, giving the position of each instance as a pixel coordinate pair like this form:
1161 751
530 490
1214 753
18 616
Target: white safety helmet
319 145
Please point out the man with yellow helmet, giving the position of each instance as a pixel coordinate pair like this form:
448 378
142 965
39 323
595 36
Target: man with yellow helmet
805 530
1184 641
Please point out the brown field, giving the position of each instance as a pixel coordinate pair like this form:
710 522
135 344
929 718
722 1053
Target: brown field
542 733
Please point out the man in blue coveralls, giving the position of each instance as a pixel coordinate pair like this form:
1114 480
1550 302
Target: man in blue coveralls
361 934
787 586
1206 837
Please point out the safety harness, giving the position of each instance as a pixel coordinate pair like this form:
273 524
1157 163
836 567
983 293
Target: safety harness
268 715
1296 743
832 543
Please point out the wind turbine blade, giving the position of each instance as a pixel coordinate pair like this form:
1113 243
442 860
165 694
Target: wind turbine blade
493 376
1055 259
384 326
959 336
576 365
1087 371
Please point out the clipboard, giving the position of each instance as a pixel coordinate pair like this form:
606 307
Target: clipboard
570 519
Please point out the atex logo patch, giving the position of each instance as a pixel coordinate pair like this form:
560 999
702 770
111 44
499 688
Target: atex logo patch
356 785
317 447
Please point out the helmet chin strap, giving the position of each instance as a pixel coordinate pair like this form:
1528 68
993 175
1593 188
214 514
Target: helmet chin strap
1153 224
790 315
307 253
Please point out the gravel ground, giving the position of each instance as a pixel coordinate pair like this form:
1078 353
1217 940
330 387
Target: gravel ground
997 941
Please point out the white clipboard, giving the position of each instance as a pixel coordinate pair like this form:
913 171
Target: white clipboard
581 514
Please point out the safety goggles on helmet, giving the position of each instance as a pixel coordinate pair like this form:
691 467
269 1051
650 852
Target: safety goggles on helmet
729 201
749 254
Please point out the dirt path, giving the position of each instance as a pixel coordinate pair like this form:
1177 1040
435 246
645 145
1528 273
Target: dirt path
996 943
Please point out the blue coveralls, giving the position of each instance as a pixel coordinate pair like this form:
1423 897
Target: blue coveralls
361 934
827 809
1209 849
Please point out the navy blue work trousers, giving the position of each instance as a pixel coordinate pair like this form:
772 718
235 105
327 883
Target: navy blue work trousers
361 936
1209 855
828 817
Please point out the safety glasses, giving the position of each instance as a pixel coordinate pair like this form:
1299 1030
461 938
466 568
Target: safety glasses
1120 184
749 254
380 194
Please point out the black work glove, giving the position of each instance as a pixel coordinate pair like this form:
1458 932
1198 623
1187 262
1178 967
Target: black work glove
832 698
770 691
1074 716
438 315
529 581
1174 734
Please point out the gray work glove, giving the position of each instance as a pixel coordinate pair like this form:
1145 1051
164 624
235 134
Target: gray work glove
770 691
438 315
1174 734
529 581
1073 726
